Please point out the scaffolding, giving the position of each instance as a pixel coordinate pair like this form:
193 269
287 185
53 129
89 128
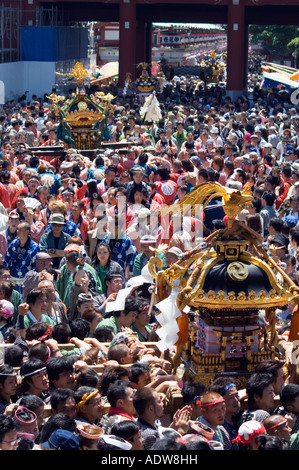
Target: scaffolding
9 34
49 16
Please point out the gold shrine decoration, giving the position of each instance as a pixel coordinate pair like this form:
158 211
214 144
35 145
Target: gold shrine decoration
233 200
79 74
237 301
221 284
237 271
55 100
83 117
191 271
143 65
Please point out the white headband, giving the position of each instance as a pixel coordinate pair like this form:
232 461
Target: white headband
35 372
110 439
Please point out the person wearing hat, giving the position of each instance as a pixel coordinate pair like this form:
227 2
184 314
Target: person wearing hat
173 255
70 227
292 208
88 437
61 439
66 167
10 233
273 138
290 156
214 132
247 434
147 244
267 149
279 245
56 239
65 180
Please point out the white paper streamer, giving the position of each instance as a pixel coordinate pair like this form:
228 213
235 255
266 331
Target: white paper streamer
168 333
119 302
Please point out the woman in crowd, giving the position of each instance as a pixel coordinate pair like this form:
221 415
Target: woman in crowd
103 263
8 386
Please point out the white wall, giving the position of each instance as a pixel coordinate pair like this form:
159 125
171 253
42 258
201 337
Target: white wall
35 77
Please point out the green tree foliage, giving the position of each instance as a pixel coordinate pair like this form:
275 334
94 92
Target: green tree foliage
274 38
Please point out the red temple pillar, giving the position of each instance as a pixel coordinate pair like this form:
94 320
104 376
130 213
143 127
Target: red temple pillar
127 43
236 49
143 42
140 41
148 42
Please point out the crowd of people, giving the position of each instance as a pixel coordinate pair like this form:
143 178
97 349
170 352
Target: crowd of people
76 230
